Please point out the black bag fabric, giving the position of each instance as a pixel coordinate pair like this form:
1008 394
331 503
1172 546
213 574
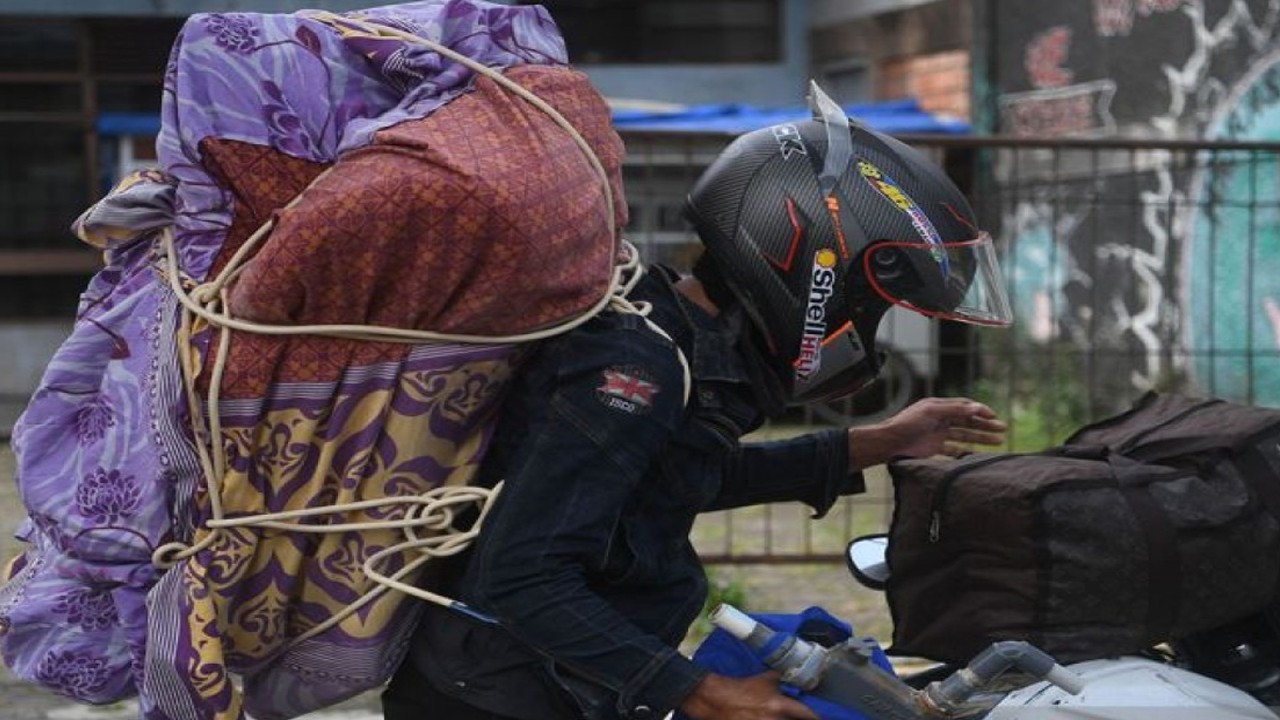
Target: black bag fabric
1147 526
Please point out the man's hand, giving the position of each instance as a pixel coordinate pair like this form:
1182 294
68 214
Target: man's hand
933 426
718 697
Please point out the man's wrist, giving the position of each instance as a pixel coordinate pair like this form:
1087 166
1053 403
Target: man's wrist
669 680
869 445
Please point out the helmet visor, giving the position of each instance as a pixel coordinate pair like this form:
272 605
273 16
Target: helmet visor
950 280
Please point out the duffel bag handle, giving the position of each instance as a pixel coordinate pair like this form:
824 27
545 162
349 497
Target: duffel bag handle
1080 452
1160 450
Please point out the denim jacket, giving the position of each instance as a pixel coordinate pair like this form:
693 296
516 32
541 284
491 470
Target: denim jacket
585 558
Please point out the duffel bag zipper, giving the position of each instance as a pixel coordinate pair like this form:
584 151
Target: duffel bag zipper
1077 452
944 488
944 485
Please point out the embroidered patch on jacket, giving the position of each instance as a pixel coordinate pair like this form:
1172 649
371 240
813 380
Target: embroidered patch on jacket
629 389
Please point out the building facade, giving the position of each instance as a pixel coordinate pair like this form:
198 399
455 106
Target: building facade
884 49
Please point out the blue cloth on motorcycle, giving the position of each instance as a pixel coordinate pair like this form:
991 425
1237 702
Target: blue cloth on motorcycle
726 655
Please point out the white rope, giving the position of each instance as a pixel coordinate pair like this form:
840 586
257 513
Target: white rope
433 511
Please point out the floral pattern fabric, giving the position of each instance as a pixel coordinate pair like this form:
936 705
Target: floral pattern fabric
255 107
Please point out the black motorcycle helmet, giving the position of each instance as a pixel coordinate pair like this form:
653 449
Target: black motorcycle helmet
815 229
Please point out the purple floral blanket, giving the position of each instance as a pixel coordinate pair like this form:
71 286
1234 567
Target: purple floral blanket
255 106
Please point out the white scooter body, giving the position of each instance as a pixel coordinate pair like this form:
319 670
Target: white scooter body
1124 688
1132 688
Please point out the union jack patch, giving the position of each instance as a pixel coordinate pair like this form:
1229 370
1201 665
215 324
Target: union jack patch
628 389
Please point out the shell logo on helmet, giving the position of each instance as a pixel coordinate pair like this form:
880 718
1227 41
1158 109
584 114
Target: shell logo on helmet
822 281
896 195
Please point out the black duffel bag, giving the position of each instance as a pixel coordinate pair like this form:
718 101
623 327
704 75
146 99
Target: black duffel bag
1145 527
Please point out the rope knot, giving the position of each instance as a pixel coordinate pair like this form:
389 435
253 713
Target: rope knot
205 294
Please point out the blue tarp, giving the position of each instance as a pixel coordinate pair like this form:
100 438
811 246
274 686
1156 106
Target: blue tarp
896 116
121 124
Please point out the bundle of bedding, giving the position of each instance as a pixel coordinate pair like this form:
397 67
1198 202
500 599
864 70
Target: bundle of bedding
342 181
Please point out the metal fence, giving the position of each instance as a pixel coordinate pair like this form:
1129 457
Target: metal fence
1131 265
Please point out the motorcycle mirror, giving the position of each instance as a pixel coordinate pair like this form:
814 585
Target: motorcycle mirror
866 557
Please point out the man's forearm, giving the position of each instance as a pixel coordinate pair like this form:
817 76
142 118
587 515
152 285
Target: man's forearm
812 468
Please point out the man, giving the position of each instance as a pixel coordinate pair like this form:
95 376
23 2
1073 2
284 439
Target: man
811 232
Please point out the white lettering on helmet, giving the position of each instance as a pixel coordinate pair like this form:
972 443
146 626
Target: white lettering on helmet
789 142
822 282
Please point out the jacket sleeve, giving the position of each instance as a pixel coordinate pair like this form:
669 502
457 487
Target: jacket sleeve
612 402
813 469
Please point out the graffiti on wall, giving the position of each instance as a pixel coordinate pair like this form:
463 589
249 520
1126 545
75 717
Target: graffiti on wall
1055 106
1184 280
1113 18
1233 249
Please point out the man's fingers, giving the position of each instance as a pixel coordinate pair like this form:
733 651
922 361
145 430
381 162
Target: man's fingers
974 437
957 408
984 424
974 422
983 411
796 709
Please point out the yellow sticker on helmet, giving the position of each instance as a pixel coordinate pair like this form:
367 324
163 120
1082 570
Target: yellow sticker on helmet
892 192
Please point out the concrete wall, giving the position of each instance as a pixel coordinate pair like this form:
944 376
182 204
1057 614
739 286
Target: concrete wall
1137 68
781 83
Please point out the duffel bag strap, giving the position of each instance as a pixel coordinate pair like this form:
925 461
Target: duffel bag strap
1163 564
1260 466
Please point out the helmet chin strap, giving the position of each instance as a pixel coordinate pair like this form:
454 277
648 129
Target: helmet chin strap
772 395
770 392
704 270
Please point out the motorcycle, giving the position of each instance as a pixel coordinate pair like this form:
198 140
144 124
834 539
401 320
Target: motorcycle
1013 680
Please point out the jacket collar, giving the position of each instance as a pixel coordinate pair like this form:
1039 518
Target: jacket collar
708 341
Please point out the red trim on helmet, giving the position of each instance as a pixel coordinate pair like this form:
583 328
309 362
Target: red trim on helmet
785 265
839 331
830 338
833 208
961 219
875 284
